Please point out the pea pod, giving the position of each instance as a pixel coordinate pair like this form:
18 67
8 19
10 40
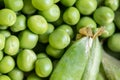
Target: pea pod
94 60
111 67
72 64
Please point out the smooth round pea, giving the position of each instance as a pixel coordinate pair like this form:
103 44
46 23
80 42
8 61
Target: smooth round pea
103 15
41 55
56 1
2 27
7 64
113 4
68 3
1 55
6 33
28 39
4 77
109 30
117 19
52 13
67 29
2 41
37 24
44 38
59 39
71 16
55 53
28 7
12 45
113 42
7 17
20 24
16 74
26 59
86 22
86 7
43 67
15 5
33 76
42 4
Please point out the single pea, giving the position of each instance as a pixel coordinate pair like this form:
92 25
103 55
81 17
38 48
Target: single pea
12 45
86 7
56 1
59 39
7 17
2 41
113 4
4 77
16 74
33 76
109 30
6 33
68 29
3 27
71 16
52 13
42 4
28 7
103 15
15 5
28 39
41 55
53 52
7 64
26 59
1 55
113 42
20 24
43 67
68 3
86 22
37 24
44 38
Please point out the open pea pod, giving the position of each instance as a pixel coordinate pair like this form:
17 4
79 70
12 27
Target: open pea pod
92 67
111 67
72 64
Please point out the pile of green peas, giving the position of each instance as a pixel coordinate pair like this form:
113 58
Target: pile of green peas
34 34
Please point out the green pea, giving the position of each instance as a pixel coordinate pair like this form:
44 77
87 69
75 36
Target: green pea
113 4
42 4
28 7
6 33
33 76
15 5
26 59
1 55
53 52
2 41
4 77
109 30
86 22
20 24
7 64
16 74
52 13
71 16
7 17
86 7
56 1
3 27
41 55
11 45
28 39
44 38
37 24
43 67
68 3
68 29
